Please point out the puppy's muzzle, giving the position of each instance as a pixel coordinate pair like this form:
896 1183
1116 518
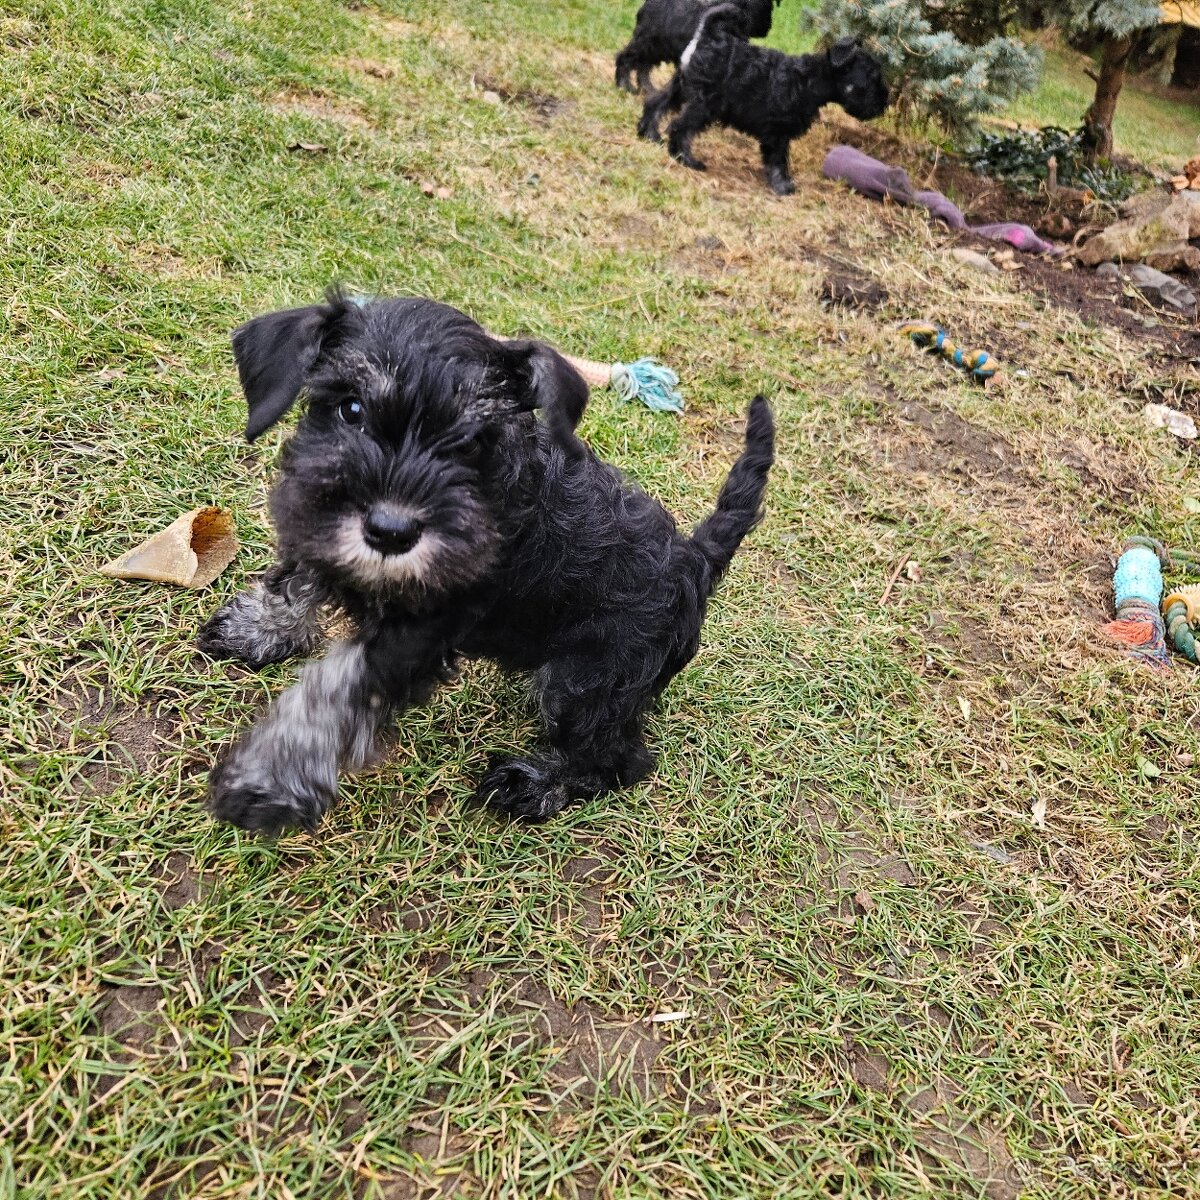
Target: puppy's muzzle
389 530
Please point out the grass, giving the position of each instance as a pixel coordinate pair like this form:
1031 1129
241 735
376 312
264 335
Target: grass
1151 125
898 980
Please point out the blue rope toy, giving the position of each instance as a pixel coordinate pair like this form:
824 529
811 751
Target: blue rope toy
1137 593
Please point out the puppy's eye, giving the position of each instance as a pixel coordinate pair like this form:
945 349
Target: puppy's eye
351 412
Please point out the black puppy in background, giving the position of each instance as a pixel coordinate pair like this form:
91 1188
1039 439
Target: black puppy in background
771 96
422 499
663 28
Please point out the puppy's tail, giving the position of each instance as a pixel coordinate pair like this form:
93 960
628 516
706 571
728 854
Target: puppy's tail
739 506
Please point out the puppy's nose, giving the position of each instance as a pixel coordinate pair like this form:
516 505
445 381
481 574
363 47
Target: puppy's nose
390 531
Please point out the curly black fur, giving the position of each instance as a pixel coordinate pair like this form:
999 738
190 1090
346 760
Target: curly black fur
421 497
663 28
771 96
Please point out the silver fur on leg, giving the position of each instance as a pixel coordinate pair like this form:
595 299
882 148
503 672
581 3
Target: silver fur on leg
285 769
277 619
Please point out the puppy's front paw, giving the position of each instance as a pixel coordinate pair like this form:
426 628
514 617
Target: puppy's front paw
781 185
522 790
241 630
692 163
243 792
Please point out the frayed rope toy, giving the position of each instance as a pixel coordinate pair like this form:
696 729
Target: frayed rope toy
1147 624
645 379
927 336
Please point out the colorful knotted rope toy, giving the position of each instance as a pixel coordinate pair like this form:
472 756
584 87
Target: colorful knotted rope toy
1137 591
1181 611
979 363
646 380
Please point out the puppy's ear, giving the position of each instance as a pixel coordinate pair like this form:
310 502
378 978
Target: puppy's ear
842 51
274 353
544 380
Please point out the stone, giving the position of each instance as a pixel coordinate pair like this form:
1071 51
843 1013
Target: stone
972 258
1108 270
1129 240
1150 220
1159 416
1173 256
1144 204
1162 289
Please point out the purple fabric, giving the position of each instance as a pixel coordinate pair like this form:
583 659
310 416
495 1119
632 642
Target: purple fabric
942 208
1021 237
876 179
868 175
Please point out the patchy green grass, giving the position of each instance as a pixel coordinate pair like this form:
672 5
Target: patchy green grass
898 980
1150 126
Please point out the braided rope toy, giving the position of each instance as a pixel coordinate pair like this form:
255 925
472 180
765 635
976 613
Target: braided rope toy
1137 591
1181 611
646 380
927 336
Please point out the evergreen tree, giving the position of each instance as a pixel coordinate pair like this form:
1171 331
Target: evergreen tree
1118 22
934 75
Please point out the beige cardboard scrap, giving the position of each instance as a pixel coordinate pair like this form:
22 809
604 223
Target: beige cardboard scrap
192 551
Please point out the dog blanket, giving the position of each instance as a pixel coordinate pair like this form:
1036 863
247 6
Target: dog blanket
879 181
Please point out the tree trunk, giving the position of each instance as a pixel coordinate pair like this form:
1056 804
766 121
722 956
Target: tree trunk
1098 120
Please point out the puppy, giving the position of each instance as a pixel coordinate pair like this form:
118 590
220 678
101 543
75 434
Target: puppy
663 28
423 499
771 96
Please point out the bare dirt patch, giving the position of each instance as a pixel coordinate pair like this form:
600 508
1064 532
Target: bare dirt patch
130 1015
850 289
181 883
541 104
369 66
988 452
319 107
114 737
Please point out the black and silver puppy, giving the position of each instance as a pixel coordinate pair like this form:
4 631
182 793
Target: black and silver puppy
771 96
421 498
663 28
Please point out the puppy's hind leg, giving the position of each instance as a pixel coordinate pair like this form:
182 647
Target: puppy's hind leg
594 743
694 119
775 163
278 618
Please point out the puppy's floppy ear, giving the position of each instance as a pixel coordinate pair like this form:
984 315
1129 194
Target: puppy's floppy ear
274 353
842 51
544 380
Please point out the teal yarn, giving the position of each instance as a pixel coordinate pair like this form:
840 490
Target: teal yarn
1138 577
650 382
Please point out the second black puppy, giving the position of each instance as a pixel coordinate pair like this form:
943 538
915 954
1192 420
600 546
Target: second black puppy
765 93
421 499
663 29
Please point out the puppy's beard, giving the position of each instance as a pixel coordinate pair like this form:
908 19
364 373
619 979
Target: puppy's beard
413 568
